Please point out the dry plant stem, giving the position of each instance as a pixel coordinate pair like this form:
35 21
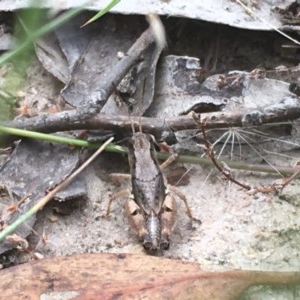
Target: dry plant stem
40 204
211 155
168 161
231 164
70 120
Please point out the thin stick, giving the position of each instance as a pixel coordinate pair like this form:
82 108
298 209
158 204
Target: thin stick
291 178
68 120
211 155
42 202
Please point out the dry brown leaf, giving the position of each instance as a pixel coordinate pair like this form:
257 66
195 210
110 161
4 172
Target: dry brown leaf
125 276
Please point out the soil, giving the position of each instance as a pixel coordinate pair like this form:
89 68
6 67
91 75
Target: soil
239 230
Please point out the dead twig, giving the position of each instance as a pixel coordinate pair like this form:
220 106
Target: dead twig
286 110
275 187
211 154
278 186
289 179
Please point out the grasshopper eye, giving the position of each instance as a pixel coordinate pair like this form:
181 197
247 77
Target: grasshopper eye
147 244
164 244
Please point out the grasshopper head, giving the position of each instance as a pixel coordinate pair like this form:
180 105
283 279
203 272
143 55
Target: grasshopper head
148 228
159 227
153 240
153 229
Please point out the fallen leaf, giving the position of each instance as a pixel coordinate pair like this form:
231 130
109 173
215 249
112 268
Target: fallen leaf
126 276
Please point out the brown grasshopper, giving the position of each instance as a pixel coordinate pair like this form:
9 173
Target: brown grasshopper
151 208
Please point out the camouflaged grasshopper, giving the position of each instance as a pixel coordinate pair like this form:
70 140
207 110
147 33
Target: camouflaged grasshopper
151 212
151 208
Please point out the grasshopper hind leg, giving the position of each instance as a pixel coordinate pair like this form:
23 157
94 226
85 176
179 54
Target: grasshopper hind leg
183 198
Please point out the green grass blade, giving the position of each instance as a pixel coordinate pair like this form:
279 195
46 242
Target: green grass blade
286 170
39 33
102 12
58 139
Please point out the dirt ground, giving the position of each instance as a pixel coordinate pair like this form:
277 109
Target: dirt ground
238 231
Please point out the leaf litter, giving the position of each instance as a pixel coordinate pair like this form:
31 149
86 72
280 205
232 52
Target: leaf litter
234 233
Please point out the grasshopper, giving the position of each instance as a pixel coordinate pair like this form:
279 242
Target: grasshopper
151 208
